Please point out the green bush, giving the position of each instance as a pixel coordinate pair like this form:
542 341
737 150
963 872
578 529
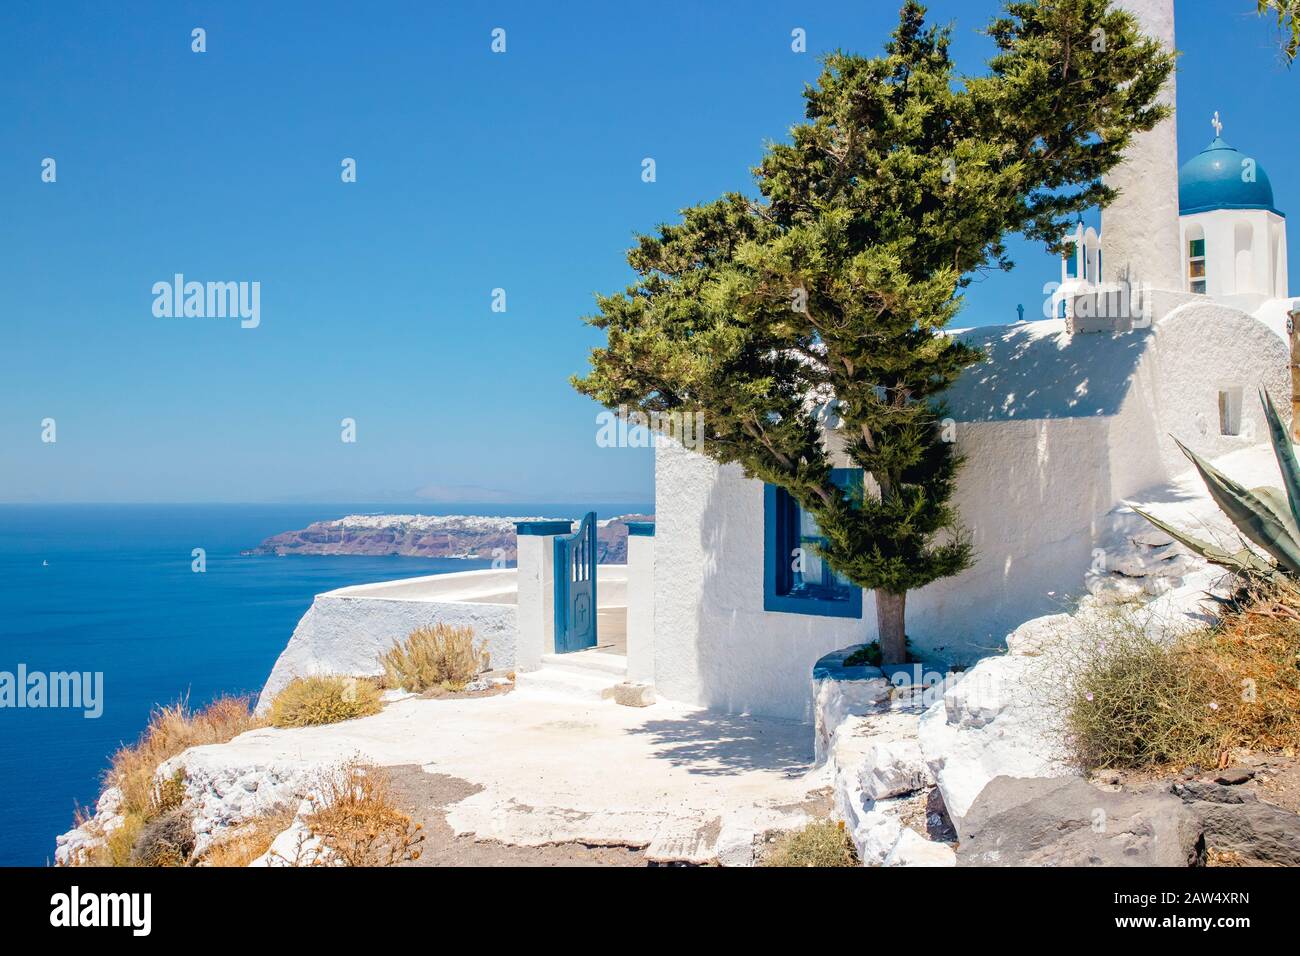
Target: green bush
312 701
870 655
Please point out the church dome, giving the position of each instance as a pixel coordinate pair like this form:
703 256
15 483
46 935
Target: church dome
1214 179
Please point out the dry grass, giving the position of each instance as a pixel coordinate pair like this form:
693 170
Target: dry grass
249 840
358 823
1253 659
171 730
819 844
117 845
437 656
1134 701
312 701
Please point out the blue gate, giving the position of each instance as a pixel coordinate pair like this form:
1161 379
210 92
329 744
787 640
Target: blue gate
575 588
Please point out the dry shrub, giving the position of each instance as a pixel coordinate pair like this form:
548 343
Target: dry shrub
250 840
1135 701
166 840
820 844
437 656
1253 659
118 844
172 730
1138 701
169 794
357 822
133 770
312 701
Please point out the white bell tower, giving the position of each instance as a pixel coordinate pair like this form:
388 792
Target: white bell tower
1140 231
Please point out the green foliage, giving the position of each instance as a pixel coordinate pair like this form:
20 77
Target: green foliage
868 655
1267 516
871 655
311 701
827 298
1288 21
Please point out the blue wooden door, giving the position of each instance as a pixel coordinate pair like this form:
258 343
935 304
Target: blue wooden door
575 588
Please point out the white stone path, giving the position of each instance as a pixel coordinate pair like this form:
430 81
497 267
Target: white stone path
688 784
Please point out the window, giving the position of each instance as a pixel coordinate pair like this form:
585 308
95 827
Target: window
1099 265
1072 260
1062 310
1196 266
1230 412
795 578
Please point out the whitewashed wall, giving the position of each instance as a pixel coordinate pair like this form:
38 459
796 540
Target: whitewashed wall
714 643
345 631
1201 348
641 608
1057 431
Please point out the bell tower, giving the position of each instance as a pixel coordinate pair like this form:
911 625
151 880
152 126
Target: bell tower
1140 230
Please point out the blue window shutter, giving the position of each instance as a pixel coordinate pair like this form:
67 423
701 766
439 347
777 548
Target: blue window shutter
781 535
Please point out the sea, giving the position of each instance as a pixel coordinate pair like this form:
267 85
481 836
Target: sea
111 589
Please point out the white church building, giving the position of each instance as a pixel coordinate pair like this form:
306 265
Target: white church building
1164 324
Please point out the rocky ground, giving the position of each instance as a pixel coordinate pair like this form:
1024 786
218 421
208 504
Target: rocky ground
428 796
553 776
983 752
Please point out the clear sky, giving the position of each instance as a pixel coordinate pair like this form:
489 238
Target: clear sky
475 171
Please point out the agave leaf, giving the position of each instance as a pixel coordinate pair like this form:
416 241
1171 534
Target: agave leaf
1285 453
1244 561
1275 500
1251 516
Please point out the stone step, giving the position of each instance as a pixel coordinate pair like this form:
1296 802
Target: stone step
588 662
568 682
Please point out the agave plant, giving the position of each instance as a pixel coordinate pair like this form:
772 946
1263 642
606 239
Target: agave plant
1269 517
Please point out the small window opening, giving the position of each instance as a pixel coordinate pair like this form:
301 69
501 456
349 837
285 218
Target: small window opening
1230 412
1196 266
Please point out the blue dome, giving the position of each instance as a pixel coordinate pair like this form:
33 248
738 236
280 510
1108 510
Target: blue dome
1213 180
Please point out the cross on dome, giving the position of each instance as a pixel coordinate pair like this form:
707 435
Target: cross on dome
1217 124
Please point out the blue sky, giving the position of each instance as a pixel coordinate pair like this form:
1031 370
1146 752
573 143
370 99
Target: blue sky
475 171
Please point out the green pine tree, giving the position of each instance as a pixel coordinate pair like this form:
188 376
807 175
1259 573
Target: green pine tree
1288 22
824 301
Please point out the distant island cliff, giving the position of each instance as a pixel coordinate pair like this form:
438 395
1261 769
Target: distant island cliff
430 536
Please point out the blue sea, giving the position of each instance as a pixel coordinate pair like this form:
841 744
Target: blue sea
110 588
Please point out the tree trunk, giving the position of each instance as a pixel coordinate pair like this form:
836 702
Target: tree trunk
891 611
